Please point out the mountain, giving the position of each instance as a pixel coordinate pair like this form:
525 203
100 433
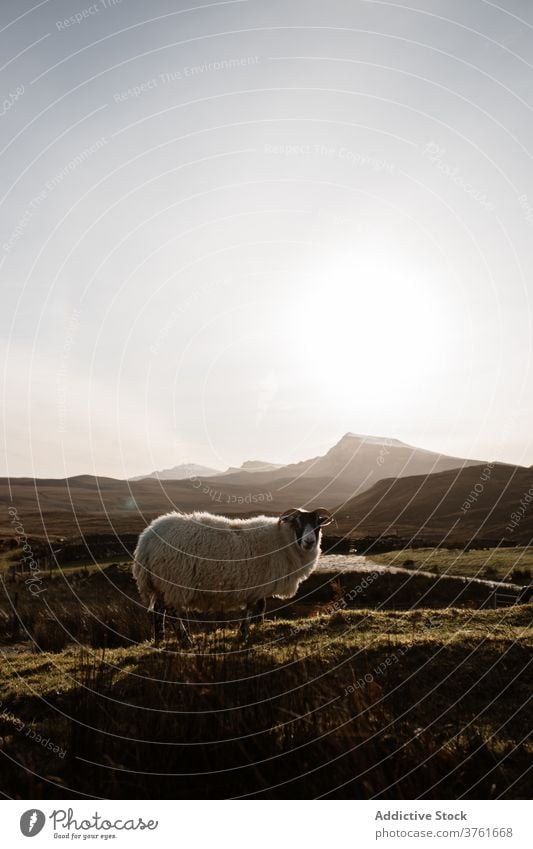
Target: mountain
352 465
186 471
253 466
374 484
490 501
181 472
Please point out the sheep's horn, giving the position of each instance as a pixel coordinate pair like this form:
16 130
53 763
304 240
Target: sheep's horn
325 516
289 514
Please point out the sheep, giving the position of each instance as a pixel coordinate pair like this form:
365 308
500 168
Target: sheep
208 563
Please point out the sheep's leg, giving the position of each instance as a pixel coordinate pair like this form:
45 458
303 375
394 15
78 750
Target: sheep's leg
261 610
182 634
159 621
244 628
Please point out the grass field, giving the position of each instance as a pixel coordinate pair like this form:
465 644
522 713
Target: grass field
11 558
359 703
429 704
491 563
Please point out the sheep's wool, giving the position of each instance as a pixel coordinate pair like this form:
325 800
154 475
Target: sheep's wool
209 563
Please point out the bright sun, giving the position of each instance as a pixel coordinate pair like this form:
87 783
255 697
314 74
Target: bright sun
374 325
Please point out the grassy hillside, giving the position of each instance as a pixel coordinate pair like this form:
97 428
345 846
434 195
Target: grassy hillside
357 704
478 501
493 564
429 703
69 507
98 604
490 502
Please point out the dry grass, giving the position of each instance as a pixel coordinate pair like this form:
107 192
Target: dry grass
358 704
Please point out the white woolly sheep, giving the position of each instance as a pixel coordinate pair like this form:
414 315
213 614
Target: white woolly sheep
207 563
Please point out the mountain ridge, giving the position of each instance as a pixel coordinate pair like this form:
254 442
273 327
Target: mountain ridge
485 501
370 482
182 471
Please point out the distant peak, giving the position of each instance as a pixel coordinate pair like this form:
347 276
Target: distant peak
371 440
254 466
259 465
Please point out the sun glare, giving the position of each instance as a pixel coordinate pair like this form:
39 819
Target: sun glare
375 324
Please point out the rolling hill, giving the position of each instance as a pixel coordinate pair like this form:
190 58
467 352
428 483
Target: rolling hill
489 501
375 485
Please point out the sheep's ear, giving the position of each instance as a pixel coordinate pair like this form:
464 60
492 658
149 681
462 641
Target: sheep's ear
289 515
324 516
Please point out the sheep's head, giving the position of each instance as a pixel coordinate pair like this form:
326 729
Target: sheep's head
306 525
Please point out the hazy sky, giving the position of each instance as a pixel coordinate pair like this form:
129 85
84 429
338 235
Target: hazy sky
238 230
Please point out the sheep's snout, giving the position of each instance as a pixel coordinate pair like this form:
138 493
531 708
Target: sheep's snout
306 525
308 539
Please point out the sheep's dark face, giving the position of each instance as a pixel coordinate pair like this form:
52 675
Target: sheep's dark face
306 525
